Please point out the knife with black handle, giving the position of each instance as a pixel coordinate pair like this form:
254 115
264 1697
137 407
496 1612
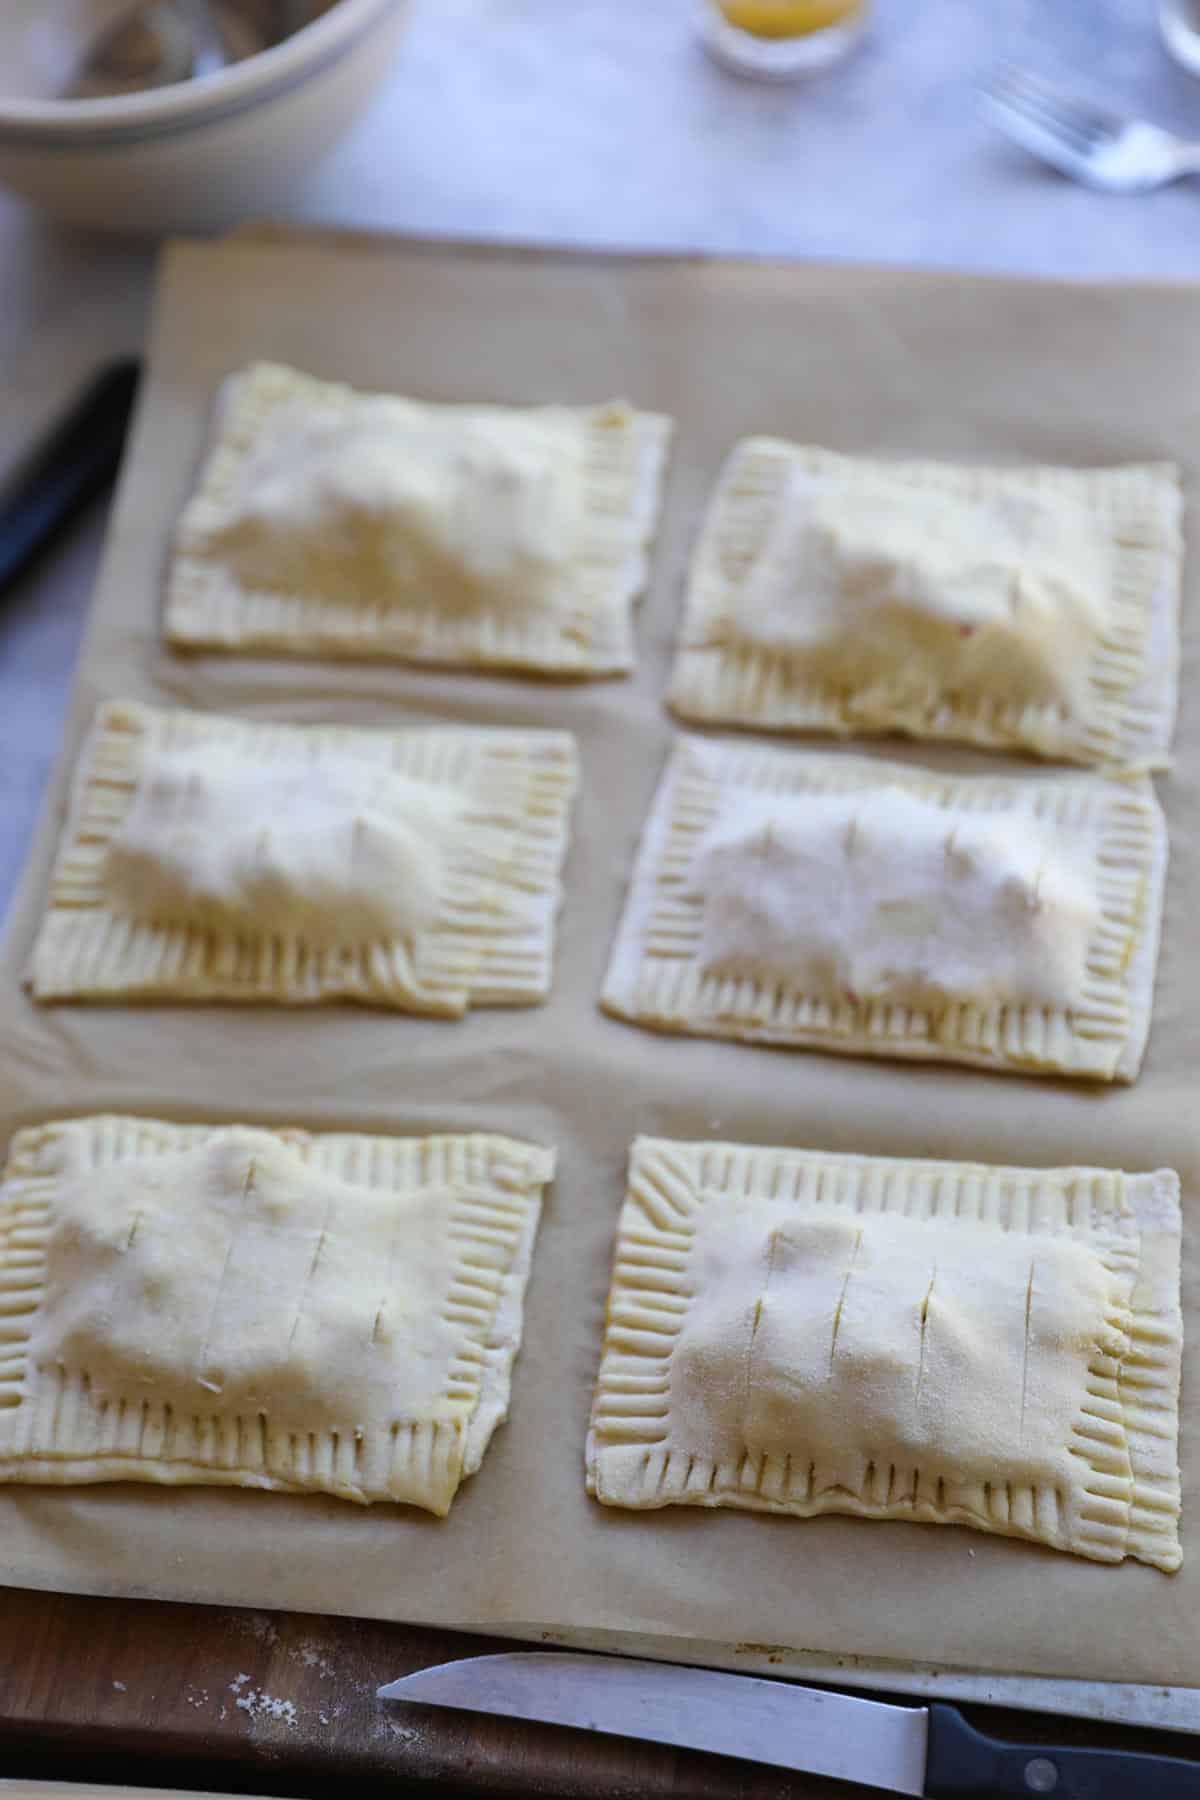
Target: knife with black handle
964 1764
929 1750
76 461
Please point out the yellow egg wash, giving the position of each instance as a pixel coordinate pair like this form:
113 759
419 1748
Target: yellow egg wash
787 18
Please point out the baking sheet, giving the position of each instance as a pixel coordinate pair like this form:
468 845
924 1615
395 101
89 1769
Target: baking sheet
855 359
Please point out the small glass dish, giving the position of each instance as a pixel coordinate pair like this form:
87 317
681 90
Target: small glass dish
781 40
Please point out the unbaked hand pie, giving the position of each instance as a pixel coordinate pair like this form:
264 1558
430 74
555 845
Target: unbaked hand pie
214 859
333 523
329 1313
796 1332
1032 609
840 903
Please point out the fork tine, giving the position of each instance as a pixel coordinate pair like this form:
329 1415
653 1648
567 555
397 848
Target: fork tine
1018 104
1102 116
1028 131
1091 121
1063 117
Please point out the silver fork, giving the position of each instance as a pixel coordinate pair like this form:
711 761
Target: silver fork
1123 156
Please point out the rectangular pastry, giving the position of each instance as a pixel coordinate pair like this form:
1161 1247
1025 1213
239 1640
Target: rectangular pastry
207 858
332 523
847 904
1030 609
329 1313
797 1332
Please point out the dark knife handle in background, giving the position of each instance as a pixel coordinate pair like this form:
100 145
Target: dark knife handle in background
964 1764
76 462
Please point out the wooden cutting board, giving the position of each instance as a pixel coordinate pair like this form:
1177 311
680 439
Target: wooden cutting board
136 1691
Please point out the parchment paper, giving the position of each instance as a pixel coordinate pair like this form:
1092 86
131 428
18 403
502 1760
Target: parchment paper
853 359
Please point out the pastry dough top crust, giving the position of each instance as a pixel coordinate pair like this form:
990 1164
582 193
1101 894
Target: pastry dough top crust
1030 609
871 908
334 523
261 1308
219 859
799 1332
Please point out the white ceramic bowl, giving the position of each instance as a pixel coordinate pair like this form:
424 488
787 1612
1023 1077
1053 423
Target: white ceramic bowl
193 156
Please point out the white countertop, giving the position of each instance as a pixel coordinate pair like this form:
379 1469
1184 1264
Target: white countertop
602 122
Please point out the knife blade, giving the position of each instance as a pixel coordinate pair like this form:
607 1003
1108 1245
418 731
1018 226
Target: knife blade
926 1750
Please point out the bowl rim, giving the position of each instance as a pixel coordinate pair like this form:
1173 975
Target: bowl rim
1177 24
243 83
